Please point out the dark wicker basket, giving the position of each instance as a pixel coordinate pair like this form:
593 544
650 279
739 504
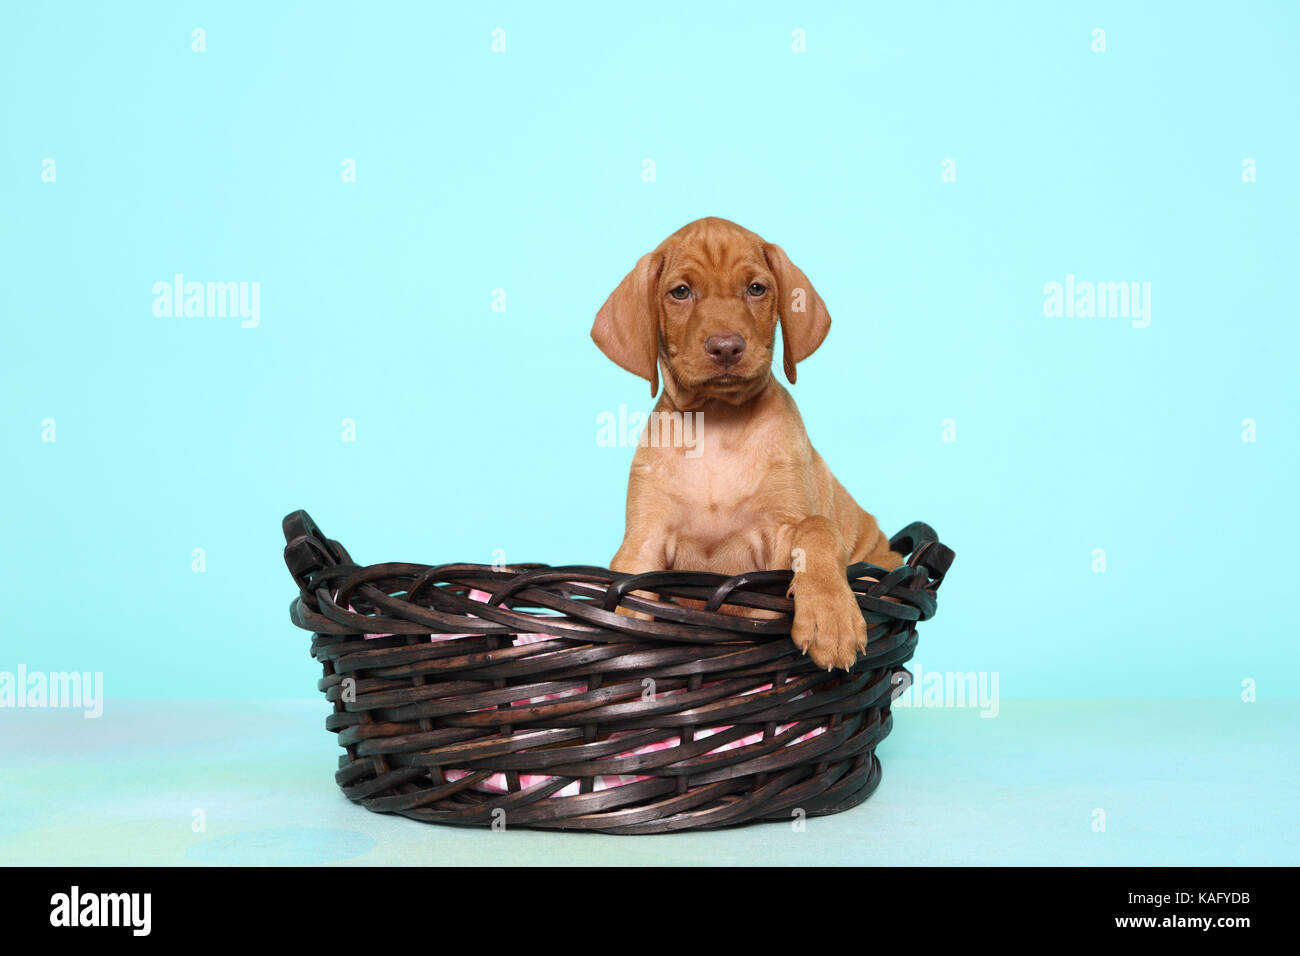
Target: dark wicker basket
696 719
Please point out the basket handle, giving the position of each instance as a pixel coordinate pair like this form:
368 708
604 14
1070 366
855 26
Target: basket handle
307 550
921 541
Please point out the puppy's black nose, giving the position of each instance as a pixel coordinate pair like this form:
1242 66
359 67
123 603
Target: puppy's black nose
726 350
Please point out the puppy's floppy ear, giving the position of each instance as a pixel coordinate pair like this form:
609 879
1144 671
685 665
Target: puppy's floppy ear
804 319
627 325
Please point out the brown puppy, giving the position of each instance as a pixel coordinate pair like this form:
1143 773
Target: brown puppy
749 492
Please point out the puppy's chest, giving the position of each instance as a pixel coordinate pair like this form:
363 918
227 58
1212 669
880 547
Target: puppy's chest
722 507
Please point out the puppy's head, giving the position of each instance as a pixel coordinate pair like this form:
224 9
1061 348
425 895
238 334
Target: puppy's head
707 303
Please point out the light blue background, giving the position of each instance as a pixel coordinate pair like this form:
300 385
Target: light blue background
522 171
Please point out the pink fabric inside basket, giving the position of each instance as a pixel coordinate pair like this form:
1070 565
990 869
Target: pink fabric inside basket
497 782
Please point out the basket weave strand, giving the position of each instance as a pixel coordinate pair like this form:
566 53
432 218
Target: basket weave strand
695 718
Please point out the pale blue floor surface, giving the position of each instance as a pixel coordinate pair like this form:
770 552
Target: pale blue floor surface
1208 782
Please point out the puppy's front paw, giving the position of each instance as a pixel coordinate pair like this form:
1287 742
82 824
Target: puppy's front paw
828 625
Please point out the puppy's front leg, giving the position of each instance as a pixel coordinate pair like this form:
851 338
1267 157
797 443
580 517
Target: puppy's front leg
828 624
640 552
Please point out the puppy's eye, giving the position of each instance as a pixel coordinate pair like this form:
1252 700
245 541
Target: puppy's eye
680 292
756 289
